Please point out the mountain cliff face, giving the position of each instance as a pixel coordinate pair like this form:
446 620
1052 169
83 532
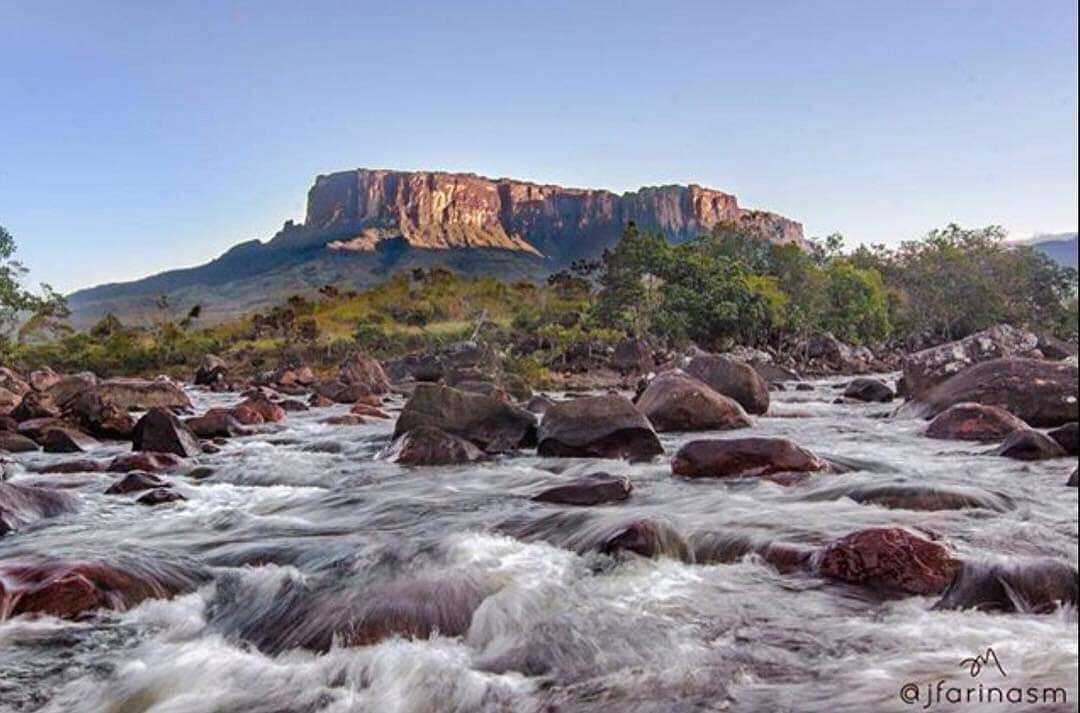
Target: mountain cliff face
363 225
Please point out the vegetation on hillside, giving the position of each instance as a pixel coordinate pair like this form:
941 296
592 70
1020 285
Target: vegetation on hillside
720 290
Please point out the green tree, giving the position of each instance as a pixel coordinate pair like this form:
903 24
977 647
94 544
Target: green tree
22 312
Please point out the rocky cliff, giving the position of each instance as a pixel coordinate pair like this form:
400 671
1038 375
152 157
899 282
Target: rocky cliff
361 226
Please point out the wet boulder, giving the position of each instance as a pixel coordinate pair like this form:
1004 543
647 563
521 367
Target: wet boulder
80 465
824 352
136 482
21 505
744 457
269 411
70 386
1029 444
212 369
11 442
1068 437
1043 394
246 414
159 496
320 401
584 531
973 422
926 369
733 379
160 431
428 445
493 425
677 402
144 461
869 390
67 440
365 373
70 589
35 405
1054 348
607 426
99 417
891 560
369 411
592 489
143 394
907 496
1037 586
216 423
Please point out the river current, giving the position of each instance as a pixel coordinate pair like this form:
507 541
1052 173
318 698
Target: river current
303 518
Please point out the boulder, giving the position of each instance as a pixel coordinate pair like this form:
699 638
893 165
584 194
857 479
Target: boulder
21 505
319 401
71 386
1029 444
16 443
1073 479
371 411
1068 437
81 465
341 393
593 489
246 414
489 423
159 496
732 379
633 356
973 422
136 482
12 381
926 369
824 352
212 369
35 428
1043 394
34 405
427 445
69 589
362 371
293 406
869 390
416 367
744 457
1056 349
145 461
67 440
98 417
597 427
890 559
345 419
1037 586
143 394
539 404
216 423
8 401
676 402
267 409
160 431
42 379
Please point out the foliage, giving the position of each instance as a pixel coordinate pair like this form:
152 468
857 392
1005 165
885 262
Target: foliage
24 314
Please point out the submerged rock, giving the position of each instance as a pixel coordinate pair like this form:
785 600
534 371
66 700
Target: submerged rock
593 489
160 496
732 379
973 422
677 402
1029 444
890 559
744 457
903 496
1031 586
597 427
21 505
146 461
136 482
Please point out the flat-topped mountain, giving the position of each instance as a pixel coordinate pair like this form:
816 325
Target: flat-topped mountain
362 225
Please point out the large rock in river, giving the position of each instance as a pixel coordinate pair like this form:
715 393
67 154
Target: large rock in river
869 390
732 379
21 505
490 423
973 422
364 372
160 431
605 426
926 369
1031 586
1068 437
1029 444
891 559
675 401
744 457
1043 394
143 395
427 445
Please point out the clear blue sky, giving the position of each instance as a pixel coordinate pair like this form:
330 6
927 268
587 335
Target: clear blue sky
143 135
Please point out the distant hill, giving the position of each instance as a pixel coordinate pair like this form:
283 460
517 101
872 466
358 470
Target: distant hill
1061 248
361 226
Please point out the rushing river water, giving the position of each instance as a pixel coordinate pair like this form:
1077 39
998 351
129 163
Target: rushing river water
302 521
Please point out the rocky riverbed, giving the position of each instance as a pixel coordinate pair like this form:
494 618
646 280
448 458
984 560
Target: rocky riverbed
304 570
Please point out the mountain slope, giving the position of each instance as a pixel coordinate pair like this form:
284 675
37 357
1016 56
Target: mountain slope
363 225
1060 248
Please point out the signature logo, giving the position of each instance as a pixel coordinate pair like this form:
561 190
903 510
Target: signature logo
975 664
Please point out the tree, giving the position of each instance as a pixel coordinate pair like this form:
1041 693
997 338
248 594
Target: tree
22 311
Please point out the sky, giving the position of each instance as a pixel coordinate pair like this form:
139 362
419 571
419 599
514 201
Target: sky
145 135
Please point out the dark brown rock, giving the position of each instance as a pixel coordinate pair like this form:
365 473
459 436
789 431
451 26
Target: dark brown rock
21 505
16 443
891 559
1074 479
136 482
593 489
744 457
212 369
1029 444
364 372
67 440
489 423
216 423
35 405
677 402
146 461
597 427
159 496
732 379
973 422
1037 586
160 431
1068 437
82 465
869 390
427 445
99 417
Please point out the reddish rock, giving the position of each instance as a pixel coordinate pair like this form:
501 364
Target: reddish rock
67 440
676 402
8 402
246 414
270 411
427 445
891 559
732 379
35 405
136 482
490 424
744 457
160 431
35 428
1029 444
633 355
362 371
345 419
216 423
12 381
593 489
973 422
21 505
597 427
320 401
146 461
365 410
644 537
99 417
